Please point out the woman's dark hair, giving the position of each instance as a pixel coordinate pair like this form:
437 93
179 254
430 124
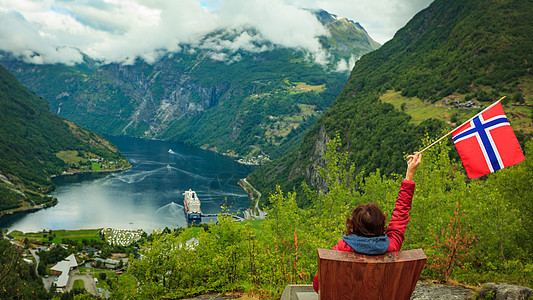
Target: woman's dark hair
367 220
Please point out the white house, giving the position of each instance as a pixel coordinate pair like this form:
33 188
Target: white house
62 269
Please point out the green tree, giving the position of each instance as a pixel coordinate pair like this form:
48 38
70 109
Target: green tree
516 186
102 276
17 278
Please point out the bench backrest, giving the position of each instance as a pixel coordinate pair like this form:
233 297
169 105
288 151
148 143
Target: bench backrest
350 275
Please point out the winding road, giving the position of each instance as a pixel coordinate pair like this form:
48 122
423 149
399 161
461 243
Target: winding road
251 213
34 254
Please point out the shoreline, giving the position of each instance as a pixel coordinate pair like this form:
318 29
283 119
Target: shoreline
89 172
32 208
18 210
247 161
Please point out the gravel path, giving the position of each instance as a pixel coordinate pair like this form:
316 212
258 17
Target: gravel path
213 297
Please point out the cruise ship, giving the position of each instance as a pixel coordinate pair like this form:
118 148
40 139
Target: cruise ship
192 205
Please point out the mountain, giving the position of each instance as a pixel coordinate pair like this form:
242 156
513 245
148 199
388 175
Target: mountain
450 61
347 38
238 102
37 144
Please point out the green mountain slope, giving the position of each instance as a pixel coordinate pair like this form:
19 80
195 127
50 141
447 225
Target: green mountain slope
448 54
270 98
37 144
236 102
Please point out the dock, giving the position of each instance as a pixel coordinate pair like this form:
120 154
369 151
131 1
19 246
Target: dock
235 218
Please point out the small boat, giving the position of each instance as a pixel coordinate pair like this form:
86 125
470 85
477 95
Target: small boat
192 205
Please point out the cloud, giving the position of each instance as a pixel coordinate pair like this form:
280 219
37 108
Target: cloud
380 18
277 21
345 65
234 40
18 37
273 22
156 27
49 31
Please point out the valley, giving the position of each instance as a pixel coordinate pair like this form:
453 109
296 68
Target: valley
235 102
302 122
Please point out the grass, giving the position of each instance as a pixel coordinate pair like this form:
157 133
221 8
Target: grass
95 273
519 116
302 87
305 87
78 284
71 157
526 85
415 107
307 108
286 123
78 235
96 166
110 275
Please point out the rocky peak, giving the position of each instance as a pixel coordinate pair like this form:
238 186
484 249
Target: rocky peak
323 16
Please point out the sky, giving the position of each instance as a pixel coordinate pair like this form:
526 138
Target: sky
121 30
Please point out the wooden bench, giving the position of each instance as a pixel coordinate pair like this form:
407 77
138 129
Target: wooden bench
350 275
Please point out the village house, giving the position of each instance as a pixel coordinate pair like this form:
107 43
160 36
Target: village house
62 269
88 250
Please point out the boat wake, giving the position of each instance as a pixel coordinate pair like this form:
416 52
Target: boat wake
223 194
190 174
151 162
138 176
177 155
171 208
180 156
135 177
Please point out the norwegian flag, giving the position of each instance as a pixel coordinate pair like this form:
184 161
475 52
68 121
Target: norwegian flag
487 142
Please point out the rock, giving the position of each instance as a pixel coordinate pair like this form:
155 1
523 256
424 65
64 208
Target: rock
423 291
428 291
299 292
505 291
214 297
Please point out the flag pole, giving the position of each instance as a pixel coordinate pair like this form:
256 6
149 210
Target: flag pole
461 125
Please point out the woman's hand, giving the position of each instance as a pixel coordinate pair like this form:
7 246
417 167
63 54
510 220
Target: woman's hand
413 162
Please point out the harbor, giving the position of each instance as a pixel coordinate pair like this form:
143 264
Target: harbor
193 211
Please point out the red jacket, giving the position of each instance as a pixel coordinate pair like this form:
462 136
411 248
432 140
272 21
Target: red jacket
397 225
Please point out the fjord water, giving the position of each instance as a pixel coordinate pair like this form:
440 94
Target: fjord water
148 196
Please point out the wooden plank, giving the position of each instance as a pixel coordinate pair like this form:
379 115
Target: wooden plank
350 275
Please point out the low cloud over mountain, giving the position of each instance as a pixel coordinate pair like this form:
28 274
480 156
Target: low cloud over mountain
51 31
54 31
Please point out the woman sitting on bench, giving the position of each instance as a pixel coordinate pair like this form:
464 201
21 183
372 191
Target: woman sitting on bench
366 232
